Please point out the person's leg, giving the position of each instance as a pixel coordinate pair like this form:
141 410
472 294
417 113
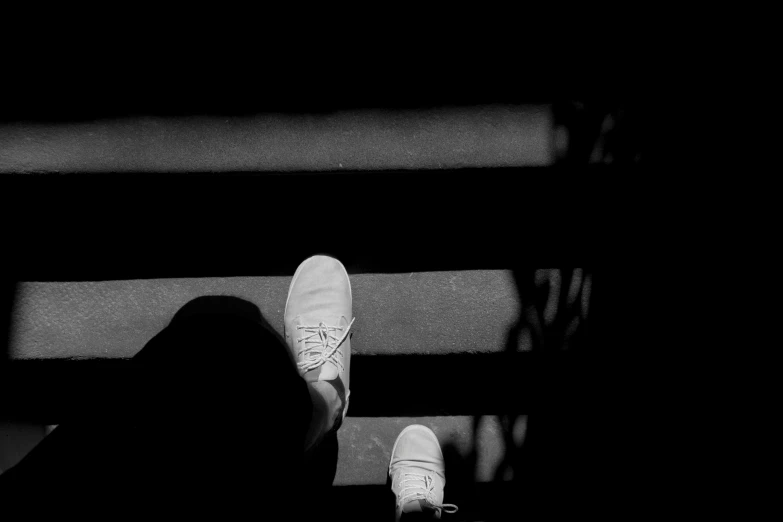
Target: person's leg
212 418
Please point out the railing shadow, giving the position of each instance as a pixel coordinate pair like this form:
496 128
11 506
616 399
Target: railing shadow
536 475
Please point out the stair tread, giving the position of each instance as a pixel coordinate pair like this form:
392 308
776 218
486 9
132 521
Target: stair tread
351 140
365 445
401 313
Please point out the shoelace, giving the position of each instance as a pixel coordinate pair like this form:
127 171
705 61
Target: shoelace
423 488
327 345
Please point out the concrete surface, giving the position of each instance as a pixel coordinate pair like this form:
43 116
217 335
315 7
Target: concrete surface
365 445
421 312
488 136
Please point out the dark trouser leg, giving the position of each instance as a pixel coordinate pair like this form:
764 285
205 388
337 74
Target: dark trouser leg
212 419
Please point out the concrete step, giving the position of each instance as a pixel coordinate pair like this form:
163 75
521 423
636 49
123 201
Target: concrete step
445 328
497 467
407 313
474 448
365 445
484 136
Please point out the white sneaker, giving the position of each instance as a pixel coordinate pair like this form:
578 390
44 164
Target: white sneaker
418 473
318 319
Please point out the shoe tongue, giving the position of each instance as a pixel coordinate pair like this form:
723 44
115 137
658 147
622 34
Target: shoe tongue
326 372
416 506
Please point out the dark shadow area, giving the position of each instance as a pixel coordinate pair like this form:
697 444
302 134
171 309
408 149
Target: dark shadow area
172 388
544 465
241 103
7 300
180 83
91 227
49 391
184 420
549 431
17 437
603 131
461 487
217 66
320 468
376 502
493 383
363 502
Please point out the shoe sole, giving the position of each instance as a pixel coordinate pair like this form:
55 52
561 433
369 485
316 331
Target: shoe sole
410 428
296 274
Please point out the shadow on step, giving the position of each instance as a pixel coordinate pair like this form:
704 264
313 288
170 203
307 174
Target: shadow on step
381 386
476 501
157 226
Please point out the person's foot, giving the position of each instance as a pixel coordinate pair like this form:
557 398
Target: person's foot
418 474
318 320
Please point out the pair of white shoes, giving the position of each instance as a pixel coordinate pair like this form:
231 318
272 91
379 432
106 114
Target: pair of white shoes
318 321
